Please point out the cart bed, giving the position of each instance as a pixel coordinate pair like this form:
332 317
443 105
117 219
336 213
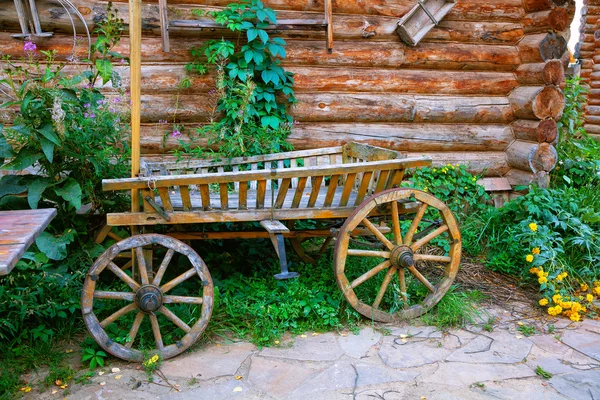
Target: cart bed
311 184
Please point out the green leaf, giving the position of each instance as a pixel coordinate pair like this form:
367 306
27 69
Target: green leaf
47 131
36 190
252 34
70 191
47 148
93 363
6 150
51 246
264 36
100 361
12 184
105 69
24 159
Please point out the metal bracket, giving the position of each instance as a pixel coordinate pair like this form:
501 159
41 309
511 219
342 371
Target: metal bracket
157 208
279 244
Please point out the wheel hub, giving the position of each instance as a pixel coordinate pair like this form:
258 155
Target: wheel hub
148 298
402 257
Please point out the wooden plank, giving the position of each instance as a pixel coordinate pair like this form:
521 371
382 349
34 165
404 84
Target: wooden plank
223 192
282 192
205 193
364 186
243 196
316 187
165 198
28 225
260 194
274 226
184 190
299 191
348 186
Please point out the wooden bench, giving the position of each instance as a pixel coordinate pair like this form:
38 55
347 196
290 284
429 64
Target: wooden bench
18 230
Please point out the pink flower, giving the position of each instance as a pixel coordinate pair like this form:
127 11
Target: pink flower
29 47
175 134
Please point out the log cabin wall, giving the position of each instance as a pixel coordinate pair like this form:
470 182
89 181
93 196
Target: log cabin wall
589 54
481 88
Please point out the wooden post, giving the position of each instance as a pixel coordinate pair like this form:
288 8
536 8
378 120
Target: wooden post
135 56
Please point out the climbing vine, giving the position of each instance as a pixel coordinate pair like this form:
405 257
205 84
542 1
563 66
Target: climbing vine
252 88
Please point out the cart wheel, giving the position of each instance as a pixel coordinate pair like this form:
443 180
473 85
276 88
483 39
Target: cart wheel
422 227
148 297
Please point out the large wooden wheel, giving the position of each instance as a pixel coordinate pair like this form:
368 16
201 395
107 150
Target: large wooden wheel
132 298
416 264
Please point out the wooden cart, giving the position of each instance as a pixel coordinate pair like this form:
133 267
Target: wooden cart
389 241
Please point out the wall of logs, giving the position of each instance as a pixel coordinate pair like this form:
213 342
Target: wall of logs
589 54
483 87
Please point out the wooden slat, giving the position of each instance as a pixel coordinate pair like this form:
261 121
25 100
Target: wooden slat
253 167
348 185
165 199
314 193
381 181
283 189
333 183
205 193
184 190
260 194
294 164
147 207
364 186
236 185
223 191
243 196
299 192
395 180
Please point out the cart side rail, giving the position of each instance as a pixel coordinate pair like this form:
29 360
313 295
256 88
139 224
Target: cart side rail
153 182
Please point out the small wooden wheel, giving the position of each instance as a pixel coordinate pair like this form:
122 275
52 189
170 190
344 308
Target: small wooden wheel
148 297
423 252
310 250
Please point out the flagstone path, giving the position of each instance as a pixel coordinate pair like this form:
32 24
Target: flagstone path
381 362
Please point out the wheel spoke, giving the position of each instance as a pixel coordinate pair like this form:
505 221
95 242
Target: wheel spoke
163 267
127 265
181 278
175 319
123 276
182 299
139 252
112 318
415 223
377 233
156 331
396 223
420 277
429 257
384 286
137 322
99 294
418 244
402 279
371 273
369 253
323 248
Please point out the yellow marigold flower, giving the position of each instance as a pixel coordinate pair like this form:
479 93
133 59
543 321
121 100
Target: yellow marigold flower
559 278
589 298
575 317
25 389
534 270
533 226
576 307
554 310
535 250
542 280
564 275
596 290
584 287
543 302
558 309
556 298
529 258
596 284
566 304
154 358
584 310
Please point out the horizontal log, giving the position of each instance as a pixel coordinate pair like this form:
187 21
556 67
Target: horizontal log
592 129
516 177
299 52
541 5
532 102
529 156
556 19
165 78
345 26
393 8
536 131
346 107
549 73
415 137
542 47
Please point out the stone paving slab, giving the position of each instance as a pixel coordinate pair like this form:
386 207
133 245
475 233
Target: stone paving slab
210 362
357 346
398 352
585 339
463 374
581 385
323 347
278 377
493 347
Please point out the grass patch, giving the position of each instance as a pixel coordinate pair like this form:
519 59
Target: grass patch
455 310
